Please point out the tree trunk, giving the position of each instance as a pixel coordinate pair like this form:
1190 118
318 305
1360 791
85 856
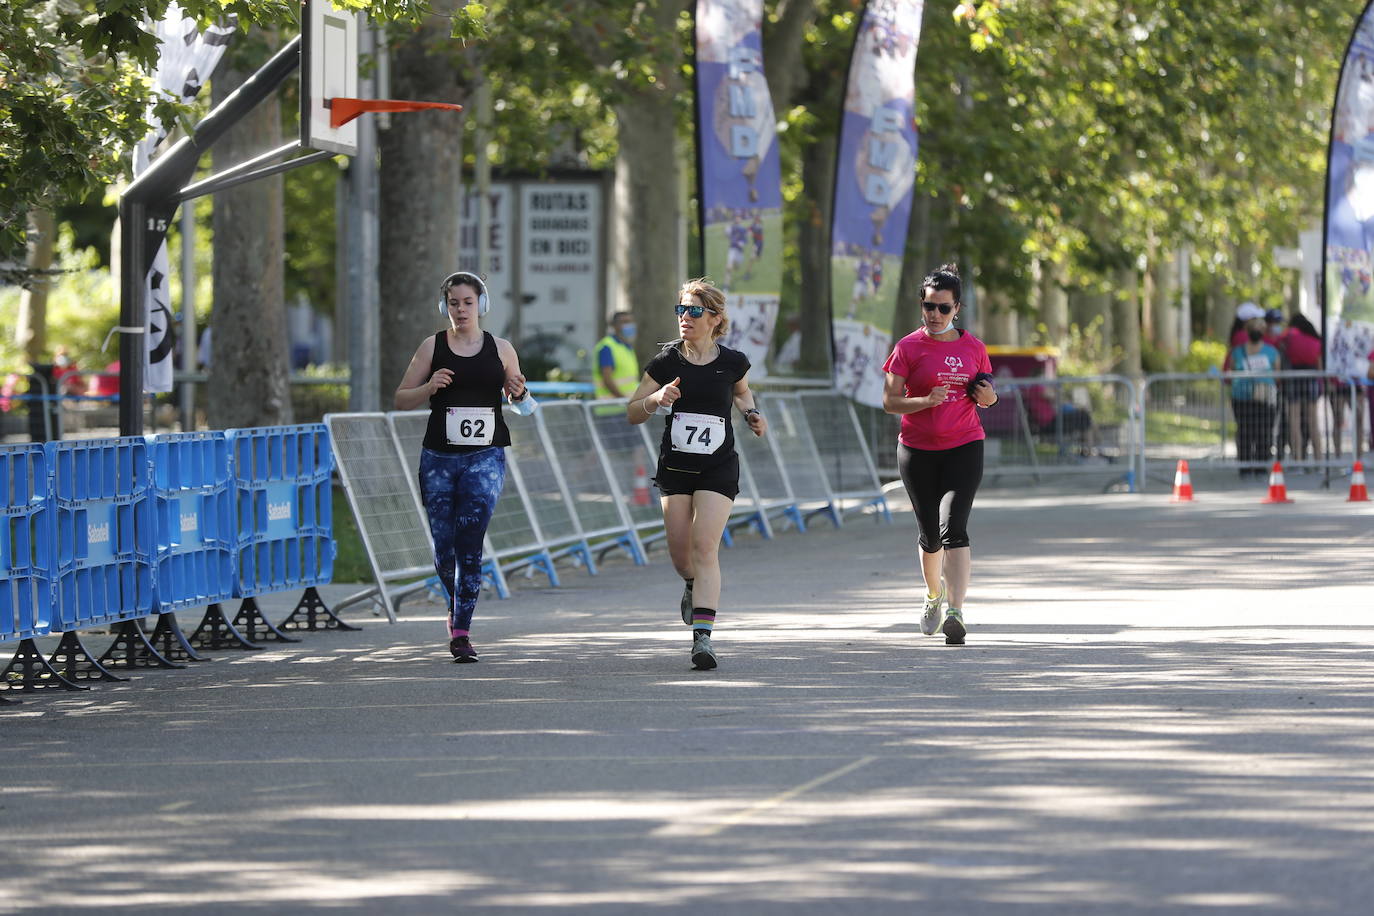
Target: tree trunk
997 318
1126 309
646 206
929 217
31 324
1054 304
249 360
419 191
783 42
1166 311
813 244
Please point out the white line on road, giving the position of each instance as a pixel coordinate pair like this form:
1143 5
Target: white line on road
741 816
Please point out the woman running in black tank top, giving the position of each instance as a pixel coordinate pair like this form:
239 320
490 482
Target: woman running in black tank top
462 373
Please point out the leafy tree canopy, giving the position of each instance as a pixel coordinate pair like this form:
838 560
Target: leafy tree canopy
76 94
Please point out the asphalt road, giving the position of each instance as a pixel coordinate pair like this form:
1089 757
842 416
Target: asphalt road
1161 709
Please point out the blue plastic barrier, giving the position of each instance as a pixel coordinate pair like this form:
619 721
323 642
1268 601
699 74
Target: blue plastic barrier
283 508
102 492
193 520
26 543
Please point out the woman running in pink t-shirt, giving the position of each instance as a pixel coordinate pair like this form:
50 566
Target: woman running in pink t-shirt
935 377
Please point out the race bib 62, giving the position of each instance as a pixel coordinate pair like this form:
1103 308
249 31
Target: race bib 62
470 425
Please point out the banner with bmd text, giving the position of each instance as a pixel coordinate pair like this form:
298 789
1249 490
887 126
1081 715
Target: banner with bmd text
873 183
1348 275
739 177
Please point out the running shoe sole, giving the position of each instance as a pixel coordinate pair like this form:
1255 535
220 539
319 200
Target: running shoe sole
955 631
686 606
704 659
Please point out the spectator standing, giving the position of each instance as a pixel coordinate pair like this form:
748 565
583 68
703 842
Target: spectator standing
1301 347
1254 397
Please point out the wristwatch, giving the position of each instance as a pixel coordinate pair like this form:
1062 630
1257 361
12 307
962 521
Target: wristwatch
752 410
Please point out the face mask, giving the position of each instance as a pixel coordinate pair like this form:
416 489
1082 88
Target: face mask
1255 335
627 332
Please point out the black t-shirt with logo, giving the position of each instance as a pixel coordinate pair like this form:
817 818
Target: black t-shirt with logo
698 434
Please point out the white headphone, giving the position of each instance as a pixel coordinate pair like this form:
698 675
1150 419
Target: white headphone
468 278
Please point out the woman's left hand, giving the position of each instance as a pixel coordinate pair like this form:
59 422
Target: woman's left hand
515 387
984 395
757 424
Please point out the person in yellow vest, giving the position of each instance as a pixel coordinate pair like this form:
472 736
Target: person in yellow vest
616 369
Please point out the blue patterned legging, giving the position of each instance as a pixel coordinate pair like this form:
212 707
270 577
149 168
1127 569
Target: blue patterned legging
460 493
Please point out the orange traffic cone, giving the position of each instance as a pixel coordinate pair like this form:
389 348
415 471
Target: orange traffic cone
1183 484
640 496
1358 492
1278 490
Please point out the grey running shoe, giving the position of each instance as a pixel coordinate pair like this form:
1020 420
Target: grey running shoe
686 603
954 628
930 612
703 658
461 649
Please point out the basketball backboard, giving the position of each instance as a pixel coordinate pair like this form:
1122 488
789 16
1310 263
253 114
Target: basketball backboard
329 69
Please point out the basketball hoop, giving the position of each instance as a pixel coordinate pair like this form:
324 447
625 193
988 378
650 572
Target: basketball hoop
342 110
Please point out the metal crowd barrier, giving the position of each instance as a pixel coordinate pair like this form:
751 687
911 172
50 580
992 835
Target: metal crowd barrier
844 457
386 507
798 456
103 533
630 454
1073 425
514 541
594 493
578 485
1238 421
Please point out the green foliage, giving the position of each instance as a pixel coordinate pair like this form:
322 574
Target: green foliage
83 304
350 563
1086 352
311 400
1203 356
75 90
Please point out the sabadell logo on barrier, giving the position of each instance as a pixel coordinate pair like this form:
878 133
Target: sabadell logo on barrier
277 512
98 534
189 522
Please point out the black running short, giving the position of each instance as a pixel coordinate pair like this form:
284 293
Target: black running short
722 479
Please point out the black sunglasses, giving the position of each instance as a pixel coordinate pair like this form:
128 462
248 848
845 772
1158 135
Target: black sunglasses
944 307
696 311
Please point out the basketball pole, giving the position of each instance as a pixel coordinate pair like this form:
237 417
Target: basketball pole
148 206
146 210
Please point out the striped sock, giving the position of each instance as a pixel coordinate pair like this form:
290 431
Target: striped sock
454 634
703 618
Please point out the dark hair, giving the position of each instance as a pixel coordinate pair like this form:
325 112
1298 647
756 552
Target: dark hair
1303 325
945 277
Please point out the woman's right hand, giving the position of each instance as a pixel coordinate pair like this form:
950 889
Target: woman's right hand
937 396
441 378
669 392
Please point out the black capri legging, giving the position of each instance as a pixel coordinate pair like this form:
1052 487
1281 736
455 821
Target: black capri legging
928 476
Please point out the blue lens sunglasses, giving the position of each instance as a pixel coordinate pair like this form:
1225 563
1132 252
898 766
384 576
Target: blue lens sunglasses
696 311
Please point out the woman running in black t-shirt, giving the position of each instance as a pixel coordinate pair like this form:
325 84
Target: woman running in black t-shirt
698 468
